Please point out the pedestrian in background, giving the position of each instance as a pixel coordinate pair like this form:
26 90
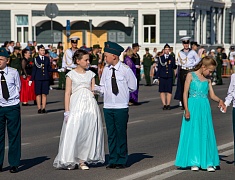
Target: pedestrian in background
27 92
129 62
81 139
165 72
197 145
10 113
147 63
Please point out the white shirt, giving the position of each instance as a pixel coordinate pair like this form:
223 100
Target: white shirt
11 48
231 92
187 60
13 83
67 61
231 55
126 82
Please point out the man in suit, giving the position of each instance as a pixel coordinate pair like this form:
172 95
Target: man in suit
41 77
219 60
166 66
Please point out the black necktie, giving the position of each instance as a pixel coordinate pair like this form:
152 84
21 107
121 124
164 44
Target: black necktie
114 83
5 92
166 56
42 58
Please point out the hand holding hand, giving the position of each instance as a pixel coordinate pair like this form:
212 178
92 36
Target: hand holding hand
187 115
66 116
30 83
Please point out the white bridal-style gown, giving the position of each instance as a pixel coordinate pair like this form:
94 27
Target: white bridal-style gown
82 135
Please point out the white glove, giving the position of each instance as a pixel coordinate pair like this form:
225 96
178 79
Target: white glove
155 81
61 70
30 83
221 109
66 116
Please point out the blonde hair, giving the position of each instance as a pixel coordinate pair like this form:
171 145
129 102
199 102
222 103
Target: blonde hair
206 61
129 52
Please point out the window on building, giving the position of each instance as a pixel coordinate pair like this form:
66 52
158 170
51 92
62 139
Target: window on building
149 28
22 28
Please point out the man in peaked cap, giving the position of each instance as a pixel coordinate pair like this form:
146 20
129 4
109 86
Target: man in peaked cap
67 63
147 63
187 59
10 112
15 59
117 81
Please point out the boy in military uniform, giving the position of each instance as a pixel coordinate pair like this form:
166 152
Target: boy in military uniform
147 62
10 112
117 81
219 60
59 64
15 59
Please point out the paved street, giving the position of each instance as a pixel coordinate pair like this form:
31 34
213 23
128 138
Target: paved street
152 140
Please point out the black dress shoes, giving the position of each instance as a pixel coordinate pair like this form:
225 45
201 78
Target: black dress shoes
168 107
120 166
14 169
39 111
164 107
111 166
44 111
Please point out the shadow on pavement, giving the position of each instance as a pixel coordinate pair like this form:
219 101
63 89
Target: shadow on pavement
53 102
222 158
136 157
54 110
29 163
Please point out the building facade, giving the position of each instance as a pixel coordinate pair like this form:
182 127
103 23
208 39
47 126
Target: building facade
151 23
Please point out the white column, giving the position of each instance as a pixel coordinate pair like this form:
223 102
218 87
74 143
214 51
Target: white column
223 33
213 26
204 33
30 26
219 26
197 26
232 28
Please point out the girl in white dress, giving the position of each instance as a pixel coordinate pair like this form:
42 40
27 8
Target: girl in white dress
81 139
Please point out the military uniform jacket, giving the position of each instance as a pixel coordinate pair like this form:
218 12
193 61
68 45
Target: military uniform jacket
148 59
41 69
68 59
94 60
166 66
15 61
219 58
188 60
59 63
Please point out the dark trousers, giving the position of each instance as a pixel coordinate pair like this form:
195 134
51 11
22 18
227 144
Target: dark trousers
10 117
234 132
116 124
183 74
147 74
62 80
219 74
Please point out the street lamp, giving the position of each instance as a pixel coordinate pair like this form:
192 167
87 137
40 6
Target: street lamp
90 24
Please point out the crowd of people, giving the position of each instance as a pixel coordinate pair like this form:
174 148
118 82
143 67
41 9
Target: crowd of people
85 73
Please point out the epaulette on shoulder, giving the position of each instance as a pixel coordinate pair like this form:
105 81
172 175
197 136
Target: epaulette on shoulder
11 54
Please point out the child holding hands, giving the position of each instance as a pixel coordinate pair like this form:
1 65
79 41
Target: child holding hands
197 145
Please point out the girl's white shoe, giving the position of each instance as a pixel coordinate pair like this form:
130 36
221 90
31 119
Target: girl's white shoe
195 168
83 167
210 169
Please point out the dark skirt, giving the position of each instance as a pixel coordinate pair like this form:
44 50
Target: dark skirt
165 85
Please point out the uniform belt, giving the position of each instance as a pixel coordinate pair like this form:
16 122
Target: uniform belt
187 68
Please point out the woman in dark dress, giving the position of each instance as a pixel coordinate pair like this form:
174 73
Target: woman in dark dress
27 92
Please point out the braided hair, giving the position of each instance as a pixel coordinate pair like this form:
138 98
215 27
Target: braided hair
78 55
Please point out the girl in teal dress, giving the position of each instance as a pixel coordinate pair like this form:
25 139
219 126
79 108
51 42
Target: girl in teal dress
197 145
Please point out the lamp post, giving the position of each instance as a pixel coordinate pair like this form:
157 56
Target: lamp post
90 24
